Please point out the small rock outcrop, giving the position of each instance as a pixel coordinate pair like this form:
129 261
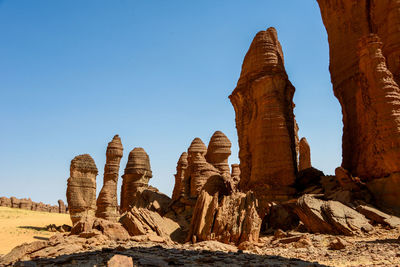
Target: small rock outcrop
81 188
304 154
232 219
107 202
61 207
137 174
180 176
263 103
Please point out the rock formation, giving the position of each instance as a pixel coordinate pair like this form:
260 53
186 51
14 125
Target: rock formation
25 204
61 206
232 219
364 44
235 174
5 202
218 152
137 174
15 202
265 122
179 176
81 188
107 202
304 155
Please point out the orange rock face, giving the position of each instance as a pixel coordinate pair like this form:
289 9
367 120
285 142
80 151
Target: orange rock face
265 122
107 203
364 42
137 174
304 155
81 188
179 176
218 152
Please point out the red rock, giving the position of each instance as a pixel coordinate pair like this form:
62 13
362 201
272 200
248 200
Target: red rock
218 152
61 207
304 155
137 174
120 260
179 176
81 188
265 121
107 202
232 219
5 202
364 43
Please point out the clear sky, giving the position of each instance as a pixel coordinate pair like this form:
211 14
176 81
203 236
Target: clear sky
158 73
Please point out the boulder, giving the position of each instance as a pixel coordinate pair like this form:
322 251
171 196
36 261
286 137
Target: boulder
378 216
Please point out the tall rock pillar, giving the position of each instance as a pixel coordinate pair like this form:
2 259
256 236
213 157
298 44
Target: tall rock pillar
263 103
107 203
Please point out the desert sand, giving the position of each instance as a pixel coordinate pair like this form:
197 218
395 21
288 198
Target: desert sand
18 226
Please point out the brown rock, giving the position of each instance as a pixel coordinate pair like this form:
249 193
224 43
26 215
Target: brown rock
14 202
218 152
179 176
386 192
337 244
304 154
378 216
346 180
20 251
90 226
330 217
5 202
199 169
364 42
120 260
265 122
61 207
232 219
137 174
81 188
139 221
107 203
25 204
235 174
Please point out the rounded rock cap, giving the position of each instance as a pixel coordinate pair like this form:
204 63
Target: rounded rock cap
114 147
197 146
84 163
138 162
219 144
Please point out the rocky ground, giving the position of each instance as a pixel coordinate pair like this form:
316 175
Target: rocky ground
381 248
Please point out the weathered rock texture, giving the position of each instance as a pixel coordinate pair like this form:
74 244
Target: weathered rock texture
81 188
28 204
304 155
233 219
107 203
364 42
179 176
61 206
218 152
137 174
265 122
235 174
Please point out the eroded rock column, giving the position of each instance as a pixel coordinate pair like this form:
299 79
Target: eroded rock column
137 174
81 188
304 155
107 203
263 103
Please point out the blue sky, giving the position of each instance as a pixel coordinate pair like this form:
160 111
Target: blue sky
158 73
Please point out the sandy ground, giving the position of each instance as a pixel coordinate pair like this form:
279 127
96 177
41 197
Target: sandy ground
18 226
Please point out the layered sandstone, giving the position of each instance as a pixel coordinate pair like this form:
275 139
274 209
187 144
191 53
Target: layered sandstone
137 174
304 154
235 174
61 207
364 43
107 203
81 188
263 103
179 176
218 152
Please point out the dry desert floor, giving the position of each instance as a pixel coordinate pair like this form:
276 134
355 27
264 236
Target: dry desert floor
18 226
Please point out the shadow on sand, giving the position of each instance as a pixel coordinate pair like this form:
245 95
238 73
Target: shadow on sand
159 256
33 228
